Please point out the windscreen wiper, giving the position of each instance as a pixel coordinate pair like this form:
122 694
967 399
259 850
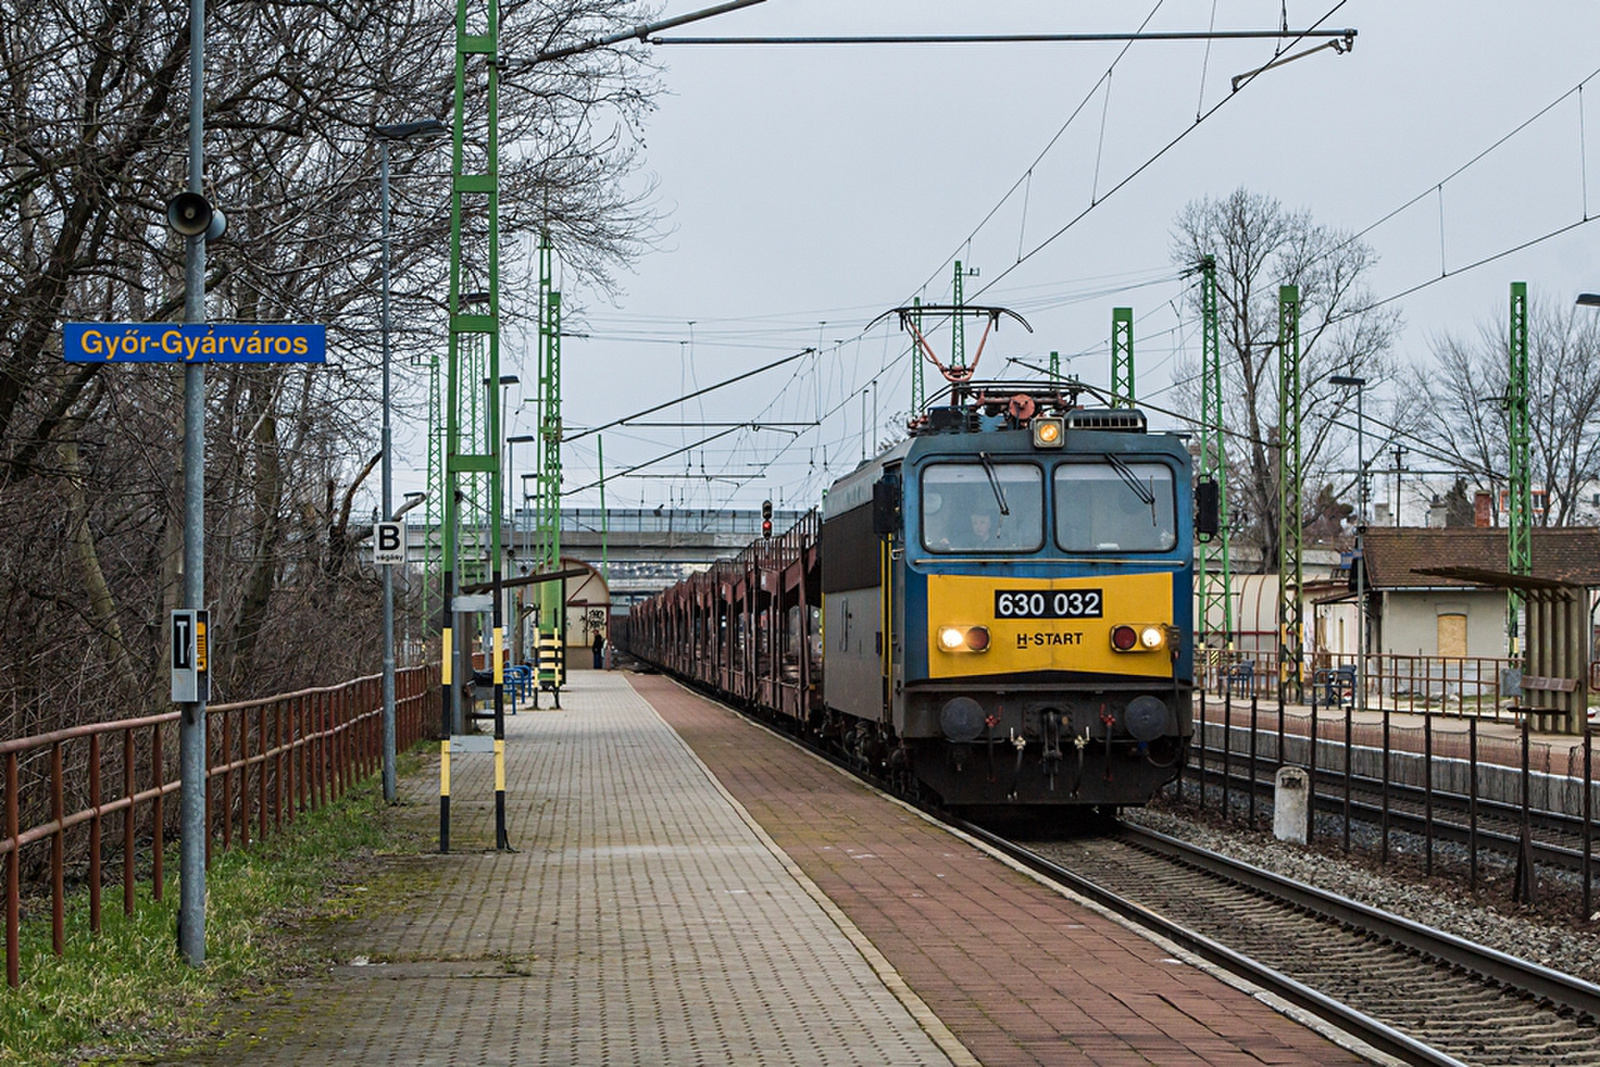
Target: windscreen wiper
1131 480
994 482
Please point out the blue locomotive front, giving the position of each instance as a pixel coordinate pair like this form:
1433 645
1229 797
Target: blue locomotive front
1008 602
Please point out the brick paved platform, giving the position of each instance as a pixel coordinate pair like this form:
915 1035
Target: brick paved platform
726 898
643 921
1020 973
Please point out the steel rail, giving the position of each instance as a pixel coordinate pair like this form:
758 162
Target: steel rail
1552 986
1358 1024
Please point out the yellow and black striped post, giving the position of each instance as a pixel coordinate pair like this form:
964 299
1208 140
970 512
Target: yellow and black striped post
501 841
447 677
552 668
444 794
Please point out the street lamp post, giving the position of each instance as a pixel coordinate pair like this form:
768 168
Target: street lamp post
511 490
1358 385
401 131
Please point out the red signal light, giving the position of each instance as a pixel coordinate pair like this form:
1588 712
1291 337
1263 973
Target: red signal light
978 638
1123 638
766 527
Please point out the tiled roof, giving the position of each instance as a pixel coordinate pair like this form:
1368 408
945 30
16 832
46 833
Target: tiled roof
1565 554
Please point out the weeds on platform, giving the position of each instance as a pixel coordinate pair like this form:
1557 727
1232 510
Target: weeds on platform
126 990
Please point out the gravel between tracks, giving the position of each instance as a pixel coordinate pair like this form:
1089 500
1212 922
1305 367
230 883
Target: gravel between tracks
1442 902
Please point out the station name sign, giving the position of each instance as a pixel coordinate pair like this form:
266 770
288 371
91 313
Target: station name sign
204 342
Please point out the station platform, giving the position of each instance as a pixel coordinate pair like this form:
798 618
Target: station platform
690 888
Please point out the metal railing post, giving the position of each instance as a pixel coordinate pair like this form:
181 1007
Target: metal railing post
1427 792
1311 774
1227 750
94 833
1349 753
1472 802
13 877
1384 818
1253 725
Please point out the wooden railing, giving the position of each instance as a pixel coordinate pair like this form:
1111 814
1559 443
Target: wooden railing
267 761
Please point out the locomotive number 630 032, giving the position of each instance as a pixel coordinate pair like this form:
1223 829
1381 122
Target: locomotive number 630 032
1047 604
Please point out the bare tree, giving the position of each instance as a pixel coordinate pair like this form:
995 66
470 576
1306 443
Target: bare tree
93 145
1466 386
1259 245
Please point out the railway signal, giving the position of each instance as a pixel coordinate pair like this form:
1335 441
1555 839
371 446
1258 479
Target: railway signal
766 519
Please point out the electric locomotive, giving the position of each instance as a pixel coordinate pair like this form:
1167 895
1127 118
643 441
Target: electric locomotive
1008 602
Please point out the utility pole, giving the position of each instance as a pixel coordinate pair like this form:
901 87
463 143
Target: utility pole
397 132
605 521
1399 469
1291 535
192 724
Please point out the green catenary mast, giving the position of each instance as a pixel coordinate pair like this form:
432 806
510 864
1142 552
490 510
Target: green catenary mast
433 535
958 322
1291 535
472 488
919 393
1122 357
1216 570
552 599
1519 527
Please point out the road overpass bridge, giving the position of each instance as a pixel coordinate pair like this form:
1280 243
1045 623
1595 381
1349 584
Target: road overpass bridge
645 549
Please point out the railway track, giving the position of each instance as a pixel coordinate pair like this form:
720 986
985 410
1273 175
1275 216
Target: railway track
1418 994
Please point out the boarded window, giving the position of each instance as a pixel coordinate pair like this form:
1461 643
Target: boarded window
1452 635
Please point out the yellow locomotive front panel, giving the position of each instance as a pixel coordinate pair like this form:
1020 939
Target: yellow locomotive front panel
1106 624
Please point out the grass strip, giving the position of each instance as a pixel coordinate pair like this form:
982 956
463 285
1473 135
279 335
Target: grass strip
126 991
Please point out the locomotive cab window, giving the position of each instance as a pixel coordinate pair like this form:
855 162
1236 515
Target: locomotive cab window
987 506
1115 505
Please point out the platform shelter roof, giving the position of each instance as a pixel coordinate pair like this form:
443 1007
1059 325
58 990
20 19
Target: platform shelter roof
1410 557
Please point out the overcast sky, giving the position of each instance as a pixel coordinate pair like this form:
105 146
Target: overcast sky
806 190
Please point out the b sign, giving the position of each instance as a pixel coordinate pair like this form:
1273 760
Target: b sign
389 543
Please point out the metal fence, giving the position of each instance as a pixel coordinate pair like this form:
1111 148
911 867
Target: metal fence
1460 685
267 761
1438 774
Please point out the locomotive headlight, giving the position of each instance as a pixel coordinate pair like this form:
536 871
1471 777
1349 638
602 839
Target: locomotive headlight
964 638
1144 638
1048 432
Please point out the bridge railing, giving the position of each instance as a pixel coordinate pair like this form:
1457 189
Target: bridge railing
266 761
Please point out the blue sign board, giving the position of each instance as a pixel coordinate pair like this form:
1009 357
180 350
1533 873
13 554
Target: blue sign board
205 342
